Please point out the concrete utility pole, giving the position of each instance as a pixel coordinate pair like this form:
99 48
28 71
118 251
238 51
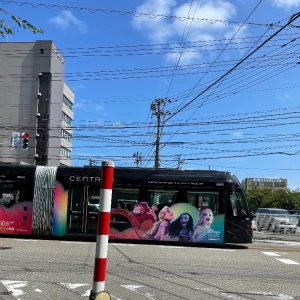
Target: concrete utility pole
92 162
138 158
179 162
157 108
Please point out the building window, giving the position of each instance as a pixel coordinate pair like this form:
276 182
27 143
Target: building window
65 152
66 135
66 118
67 102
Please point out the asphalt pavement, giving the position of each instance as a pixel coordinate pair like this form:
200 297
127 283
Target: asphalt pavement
41 269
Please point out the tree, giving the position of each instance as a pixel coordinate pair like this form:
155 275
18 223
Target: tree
259 197
6 30
266 197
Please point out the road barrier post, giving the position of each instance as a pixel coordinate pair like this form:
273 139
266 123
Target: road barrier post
107 175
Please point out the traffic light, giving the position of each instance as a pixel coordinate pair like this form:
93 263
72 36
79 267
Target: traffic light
25 140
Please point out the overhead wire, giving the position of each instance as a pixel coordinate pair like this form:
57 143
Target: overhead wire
182 42
140 125
291 20
238 76
222 50
224 80
124 13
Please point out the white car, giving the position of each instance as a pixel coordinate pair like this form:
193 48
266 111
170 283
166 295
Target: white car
297 215
275 219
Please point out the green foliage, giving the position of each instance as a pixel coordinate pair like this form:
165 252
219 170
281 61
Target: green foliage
6 30
266 197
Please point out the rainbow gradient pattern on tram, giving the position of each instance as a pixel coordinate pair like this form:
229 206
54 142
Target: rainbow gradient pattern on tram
60 210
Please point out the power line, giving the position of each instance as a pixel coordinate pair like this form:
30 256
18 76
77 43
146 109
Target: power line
245 86
222 50
238 75
134 14
292 19
181 43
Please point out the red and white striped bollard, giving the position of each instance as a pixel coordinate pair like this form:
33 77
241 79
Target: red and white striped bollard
107 175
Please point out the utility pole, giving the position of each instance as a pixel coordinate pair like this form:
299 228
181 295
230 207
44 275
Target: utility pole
138 158
157 107
179 162
92 162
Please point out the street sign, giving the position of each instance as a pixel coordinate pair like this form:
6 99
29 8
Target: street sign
15 139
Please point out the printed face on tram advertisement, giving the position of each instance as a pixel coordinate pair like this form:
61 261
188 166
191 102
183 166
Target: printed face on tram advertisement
181 222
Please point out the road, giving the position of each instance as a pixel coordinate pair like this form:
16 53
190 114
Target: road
41 269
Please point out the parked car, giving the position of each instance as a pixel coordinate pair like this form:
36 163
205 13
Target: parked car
297 214
275 219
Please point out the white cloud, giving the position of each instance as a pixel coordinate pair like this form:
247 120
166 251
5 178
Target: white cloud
87 105
118 124
187 56
66 20
286 3
284 97
237 133
159 30
79 87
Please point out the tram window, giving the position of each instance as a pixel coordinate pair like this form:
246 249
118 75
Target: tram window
8 197
77 197
238 207
161 198
125 198
15 192
204 199
93 200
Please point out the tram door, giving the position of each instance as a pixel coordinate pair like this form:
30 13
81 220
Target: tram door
83 209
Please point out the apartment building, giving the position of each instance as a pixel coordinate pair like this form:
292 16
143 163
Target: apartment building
273 183
35 100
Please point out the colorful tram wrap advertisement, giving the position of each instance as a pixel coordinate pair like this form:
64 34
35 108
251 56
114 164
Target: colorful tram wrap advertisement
147 204
181 222
26 217
16 219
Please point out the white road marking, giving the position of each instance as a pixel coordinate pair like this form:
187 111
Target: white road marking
270 253
289 243
244 295
216 249
130 245
171 247
22 240
38 290
73 286
86 294
277 296
287 261
65 242
134 288
14 287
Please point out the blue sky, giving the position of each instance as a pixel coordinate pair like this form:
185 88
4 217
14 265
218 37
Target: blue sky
238 117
